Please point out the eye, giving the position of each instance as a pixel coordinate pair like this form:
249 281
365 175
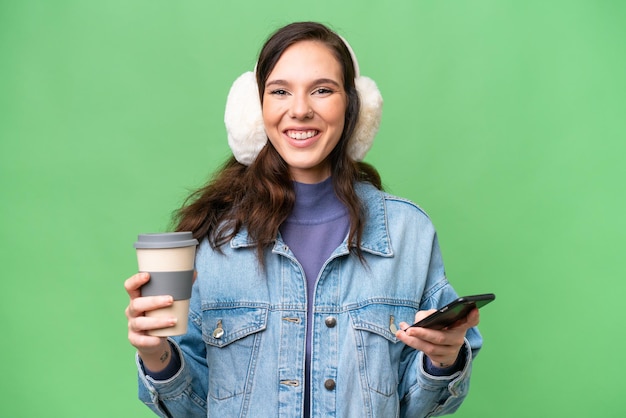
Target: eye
279 92
322 91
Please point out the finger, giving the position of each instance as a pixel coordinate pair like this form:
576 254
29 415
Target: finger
143 324
418 317
426 334
139 306
139 328
439 354
442 338
473 318
133 284
143 341
428 347
411 341
423 314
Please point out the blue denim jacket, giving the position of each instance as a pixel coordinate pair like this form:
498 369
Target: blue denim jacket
253 365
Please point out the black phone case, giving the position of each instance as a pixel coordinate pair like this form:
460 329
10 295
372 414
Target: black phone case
454 311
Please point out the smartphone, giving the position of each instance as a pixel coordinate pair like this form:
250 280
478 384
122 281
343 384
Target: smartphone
454 311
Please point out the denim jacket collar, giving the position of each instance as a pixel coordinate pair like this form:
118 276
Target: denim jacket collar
375 239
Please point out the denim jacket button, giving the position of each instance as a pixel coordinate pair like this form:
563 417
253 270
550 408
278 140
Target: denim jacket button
217 333
330 321
329 384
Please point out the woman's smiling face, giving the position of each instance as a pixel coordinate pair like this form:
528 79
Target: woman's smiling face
304 106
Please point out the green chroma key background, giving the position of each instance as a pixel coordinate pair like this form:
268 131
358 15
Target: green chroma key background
505 120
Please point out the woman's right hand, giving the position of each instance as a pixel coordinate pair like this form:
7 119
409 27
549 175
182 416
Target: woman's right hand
154 351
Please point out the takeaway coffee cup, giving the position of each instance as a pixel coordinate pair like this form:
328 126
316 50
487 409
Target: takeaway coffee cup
169 258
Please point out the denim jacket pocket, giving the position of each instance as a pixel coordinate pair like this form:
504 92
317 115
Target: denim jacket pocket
379 353
232 335
223 325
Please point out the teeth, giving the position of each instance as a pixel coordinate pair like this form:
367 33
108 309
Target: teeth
301 134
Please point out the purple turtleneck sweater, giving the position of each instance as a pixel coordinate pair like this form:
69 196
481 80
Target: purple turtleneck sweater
317 225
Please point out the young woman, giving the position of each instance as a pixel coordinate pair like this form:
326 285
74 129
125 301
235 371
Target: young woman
308 274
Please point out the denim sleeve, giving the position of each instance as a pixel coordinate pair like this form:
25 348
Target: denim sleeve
183 394
424 394
431 395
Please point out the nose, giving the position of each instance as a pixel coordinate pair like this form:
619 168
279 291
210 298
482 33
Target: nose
300 107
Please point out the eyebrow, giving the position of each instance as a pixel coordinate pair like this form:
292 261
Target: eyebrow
280 82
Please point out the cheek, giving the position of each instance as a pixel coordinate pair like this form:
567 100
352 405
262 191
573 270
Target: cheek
333 113
267 121
341 113
338 117
270 123
271 114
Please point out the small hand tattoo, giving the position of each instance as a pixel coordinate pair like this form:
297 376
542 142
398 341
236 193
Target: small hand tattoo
164 357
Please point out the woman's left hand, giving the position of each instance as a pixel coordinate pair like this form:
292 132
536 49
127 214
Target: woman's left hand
441 346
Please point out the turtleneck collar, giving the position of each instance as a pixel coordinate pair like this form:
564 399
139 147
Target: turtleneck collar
316 203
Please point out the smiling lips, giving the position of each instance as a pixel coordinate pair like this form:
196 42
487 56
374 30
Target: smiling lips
301 134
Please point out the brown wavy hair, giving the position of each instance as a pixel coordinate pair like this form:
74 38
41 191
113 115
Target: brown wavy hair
259 197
